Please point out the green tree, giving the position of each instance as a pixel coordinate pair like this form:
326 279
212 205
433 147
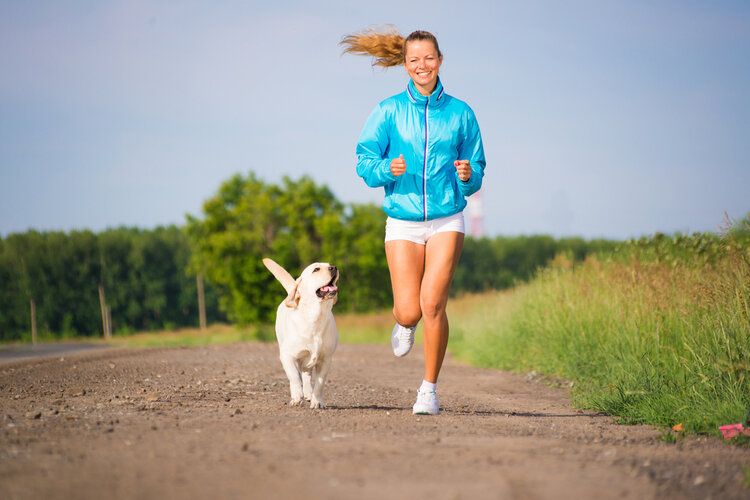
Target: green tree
296 223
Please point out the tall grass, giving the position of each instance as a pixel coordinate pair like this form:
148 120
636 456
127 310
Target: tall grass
657 333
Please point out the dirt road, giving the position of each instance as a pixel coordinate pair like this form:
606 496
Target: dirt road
213 423
25 352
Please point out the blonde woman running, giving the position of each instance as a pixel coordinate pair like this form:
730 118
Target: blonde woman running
424 148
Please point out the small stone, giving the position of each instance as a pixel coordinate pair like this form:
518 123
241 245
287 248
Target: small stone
699 480
245 447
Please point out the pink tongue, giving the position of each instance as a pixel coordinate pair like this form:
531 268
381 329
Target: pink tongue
328 288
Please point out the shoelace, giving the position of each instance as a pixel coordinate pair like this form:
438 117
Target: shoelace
404 334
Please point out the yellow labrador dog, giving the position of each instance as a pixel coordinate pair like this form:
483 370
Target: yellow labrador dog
305 328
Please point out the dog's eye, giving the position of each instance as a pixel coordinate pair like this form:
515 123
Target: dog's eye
316 269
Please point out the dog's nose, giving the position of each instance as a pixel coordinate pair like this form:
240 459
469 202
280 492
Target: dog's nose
332 269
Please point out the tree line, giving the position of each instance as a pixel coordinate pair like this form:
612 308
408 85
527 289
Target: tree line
148 277
142 274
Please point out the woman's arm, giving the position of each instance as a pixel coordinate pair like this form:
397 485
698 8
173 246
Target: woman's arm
372 165
471 149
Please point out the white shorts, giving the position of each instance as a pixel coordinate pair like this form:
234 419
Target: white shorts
421 231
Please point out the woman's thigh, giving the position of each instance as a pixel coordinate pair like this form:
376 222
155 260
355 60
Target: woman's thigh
442 253
406 261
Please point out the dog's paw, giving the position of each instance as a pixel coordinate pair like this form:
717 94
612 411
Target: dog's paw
295 402
316 403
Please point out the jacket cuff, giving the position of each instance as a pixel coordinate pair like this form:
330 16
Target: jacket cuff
467 188
385 169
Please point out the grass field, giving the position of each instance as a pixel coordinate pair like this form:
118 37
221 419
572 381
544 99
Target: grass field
655 335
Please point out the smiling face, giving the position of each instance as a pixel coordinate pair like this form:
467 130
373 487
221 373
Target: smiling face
422 62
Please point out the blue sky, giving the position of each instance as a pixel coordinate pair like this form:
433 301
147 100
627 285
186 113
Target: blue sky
599 118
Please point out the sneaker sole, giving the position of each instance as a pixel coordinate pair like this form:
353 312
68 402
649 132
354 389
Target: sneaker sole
424 412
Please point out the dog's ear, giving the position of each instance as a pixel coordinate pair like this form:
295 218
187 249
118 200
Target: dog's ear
292 299
280 274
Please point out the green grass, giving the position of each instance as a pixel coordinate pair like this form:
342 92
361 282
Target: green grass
649 339
191 337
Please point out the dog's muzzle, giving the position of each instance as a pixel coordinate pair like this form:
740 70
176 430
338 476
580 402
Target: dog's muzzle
329 290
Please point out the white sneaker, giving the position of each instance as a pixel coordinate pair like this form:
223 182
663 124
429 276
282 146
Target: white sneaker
427 403
402 338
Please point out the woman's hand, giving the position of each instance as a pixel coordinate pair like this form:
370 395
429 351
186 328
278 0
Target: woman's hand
463 168
398 166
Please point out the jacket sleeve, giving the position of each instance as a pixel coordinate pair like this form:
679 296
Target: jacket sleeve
471 149
372 165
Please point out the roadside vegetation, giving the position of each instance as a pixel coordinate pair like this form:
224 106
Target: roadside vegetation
656 332
215 334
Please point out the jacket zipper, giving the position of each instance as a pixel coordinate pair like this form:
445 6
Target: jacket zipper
424 168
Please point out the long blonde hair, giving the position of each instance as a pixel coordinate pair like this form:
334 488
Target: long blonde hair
388 48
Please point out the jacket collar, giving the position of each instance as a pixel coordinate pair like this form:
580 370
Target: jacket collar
433 100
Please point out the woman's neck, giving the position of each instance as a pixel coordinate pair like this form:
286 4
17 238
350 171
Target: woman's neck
425 91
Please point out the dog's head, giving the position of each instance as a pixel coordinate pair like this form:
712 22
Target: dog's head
318 280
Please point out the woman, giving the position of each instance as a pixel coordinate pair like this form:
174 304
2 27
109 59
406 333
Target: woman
425 149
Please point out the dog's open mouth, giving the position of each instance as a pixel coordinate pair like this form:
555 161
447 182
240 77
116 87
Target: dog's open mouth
329 290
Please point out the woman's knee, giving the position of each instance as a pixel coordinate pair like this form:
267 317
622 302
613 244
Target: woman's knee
432 307
407 316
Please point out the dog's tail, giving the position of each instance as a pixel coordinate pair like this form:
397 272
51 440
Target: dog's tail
281 274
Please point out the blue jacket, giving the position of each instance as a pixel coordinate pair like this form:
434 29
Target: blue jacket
431 132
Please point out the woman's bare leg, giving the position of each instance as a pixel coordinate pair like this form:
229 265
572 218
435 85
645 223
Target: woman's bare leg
441 257
406 261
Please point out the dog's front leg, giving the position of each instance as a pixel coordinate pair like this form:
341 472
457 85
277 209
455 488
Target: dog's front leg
307 385
319 379
292 372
